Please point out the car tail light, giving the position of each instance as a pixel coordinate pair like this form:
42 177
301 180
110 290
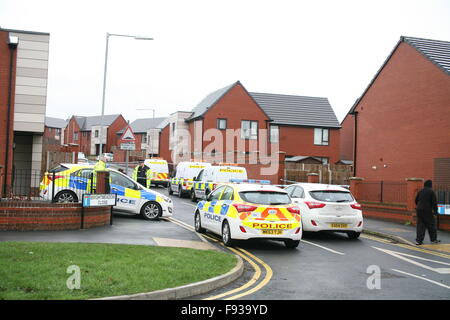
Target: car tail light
314 223
297 231
359 224
294 210
244 207
356 206
314 205
242 229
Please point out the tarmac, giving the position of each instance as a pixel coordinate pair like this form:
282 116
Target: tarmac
133 231
405 234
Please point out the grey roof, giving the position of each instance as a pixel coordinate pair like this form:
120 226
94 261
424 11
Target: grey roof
55 122
86 123
300 158
438 52
209 101
142 125
297 110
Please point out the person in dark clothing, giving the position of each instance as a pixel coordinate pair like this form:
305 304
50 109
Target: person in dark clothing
140 173
426 208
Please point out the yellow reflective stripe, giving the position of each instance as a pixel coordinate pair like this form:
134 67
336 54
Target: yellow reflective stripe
132 193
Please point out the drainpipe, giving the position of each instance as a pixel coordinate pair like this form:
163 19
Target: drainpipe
13 42
355 141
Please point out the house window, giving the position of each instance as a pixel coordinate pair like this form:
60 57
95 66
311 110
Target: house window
222 124
75 136
144 138
249 129
321 136
274 134
96 133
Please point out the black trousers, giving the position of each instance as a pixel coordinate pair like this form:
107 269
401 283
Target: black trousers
426 223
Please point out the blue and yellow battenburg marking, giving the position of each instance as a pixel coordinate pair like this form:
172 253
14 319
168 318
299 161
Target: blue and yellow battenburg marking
262 217
83 184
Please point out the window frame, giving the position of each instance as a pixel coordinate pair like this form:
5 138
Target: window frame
250 135
219 122
323 141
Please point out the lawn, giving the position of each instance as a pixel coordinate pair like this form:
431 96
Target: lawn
37 270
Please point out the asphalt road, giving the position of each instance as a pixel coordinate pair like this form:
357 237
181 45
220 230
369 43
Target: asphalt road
324 266
331 266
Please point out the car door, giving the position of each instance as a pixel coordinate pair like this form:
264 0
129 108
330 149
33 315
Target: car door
209 215
128 193
298 195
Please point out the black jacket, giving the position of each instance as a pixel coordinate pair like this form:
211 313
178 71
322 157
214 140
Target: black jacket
426 202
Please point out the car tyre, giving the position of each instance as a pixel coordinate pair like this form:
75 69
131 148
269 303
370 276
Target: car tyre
193 197
66 196
180 192
291 244
198 223
170 189
151 211
226 234
353 235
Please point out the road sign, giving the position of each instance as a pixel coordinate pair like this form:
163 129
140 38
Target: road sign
97 200
127 135
128 146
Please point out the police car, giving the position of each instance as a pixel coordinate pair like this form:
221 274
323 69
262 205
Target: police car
183 179
209 177
240 211
327 207
68 183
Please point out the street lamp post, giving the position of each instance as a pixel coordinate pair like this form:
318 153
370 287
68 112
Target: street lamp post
104 79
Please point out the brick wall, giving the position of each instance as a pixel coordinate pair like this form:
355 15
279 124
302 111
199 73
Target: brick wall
346 138
27 216
112 137
4 86
299 141
404 119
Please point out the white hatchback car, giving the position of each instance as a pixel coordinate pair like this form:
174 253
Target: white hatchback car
327 207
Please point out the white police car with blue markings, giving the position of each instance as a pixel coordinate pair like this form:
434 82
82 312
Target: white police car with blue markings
70 182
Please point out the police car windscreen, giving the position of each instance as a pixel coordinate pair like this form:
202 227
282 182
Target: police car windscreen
265 197
332 196
58 169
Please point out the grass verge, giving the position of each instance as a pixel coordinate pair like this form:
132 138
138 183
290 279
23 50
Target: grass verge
37 270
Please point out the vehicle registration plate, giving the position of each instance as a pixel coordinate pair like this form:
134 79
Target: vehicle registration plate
339 225
272 231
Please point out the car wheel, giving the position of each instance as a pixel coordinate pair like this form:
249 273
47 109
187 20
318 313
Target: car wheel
291 244
226 234
170 189
180 192
151 210
193 197
198 223
353 235
66 196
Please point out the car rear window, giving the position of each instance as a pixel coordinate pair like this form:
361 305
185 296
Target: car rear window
332 196
265 197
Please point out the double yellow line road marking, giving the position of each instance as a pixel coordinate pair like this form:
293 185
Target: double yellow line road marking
260 268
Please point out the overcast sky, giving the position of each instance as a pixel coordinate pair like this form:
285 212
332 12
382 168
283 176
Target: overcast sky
313 48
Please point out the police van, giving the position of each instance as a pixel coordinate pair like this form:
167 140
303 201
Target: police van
159 171
182 180
208 178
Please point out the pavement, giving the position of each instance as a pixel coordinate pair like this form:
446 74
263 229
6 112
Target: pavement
405 234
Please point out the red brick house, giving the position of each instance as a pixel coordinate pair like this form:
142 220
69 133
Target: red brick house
85 131
292 126
400 126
